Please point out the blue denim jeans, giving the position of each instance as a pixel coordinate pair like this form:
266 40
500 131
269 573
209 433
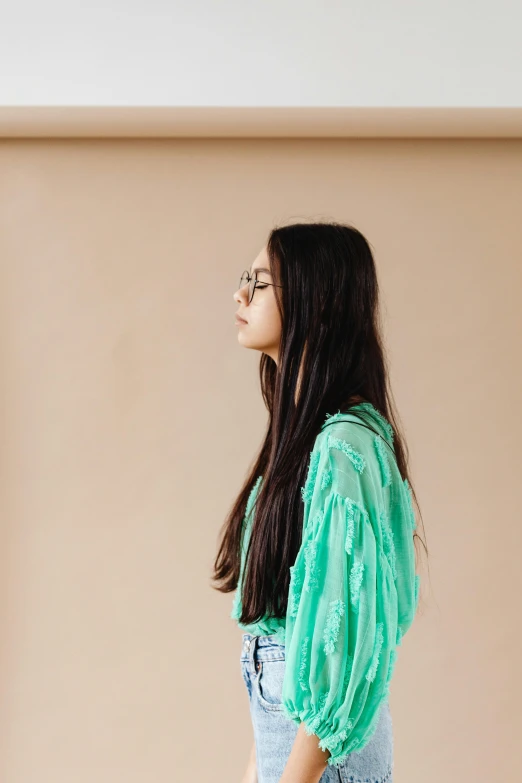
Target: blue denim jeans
262 667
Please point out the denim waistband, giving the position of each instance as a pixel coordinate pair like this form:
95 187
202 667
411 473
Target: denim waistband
261 648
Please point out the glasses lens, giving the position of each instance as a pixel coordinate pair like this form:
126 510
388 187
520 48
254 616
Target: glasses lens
245 278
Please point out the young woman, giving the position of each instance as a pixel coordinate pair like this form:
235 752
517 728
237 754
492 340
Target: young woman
319 546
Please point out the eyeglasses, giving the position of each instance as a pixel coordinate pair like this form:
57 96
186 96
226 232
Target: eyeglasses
253 283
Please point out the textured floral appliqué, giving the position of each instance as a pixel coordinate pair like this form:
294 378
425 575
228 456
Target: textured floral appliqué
311 570
370 674
353 455
333 623
326 478
356 576
388 542
384 421
384 463
386 424
296 586
413 521
416 593
308 490
330 417
350 525
303 682
333 740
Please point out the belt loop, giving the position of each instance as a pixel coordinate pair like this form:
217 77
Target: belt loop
251 653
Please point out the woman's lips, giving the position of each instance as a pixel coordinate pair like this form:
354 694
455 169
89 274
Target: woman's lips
240 320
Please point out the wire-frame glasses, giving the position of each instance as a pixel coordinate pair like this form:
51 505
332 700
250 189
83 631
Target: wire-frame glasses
253 283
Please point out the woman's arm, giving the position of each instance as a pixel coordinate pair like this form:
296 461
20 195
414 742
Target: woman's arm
250 774
342 615
306 762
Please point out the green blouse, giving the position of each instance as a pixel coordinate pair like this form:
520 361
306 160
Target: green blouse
353 588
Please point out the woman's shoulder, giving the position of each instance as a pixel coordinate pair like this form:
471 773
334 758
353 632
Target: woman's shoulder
363 425
362 415
355 446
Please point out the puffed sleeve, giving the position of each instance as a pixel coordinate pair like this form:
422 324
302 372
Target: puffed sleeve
342 616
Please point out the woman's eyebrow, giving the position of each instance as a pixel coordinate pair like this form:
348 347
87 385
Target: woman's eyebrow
260 269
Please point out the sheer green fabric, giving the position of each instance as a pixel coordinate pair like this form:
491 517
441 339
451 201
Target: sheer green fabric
353 589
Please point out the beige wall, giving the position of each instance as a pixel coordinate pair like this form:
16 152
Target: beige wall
130 415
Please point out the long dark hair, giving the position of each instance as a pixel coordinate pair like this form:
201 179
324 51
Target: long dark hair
330 330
